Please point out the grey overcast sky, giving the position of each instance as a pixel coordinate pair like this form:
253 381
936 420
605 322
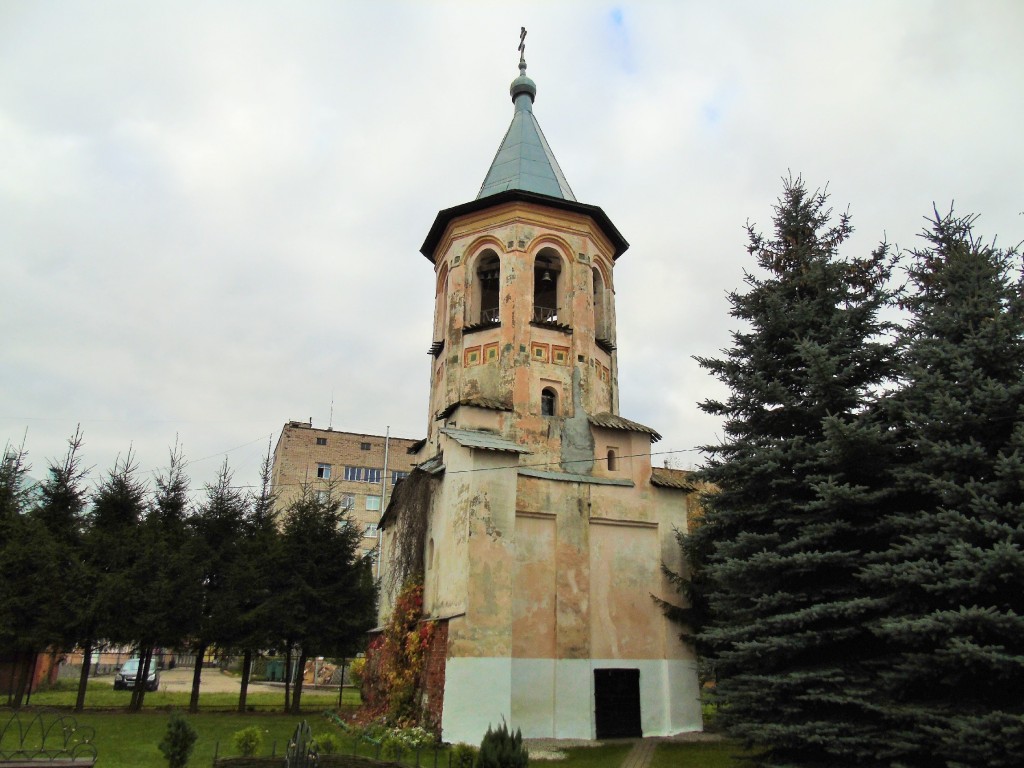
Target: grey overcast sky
210 212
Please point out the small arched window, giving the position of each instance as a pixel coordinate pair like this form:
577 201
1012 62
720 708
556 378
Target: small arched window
612 462
548 402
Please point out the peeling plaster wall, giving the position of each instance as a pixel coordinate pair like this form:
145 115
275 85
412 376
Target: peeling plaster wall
577 453
542 580
546 581
533 605
625 569
584 552
484 498
508 362
447 566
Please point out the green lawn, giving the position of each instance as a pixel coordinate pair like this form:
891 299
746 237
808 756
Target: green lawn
101 695
605 756
131 741
723 754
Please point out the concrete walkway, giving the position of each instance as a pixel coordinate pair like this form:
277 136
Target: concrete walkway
643 749
641 754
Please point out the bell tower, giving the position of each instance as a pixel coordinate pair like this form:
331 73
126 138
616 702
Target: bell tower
533 515
524 318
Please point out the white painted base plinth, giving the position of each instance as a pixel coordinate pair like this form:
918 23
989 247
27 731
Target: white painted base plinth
554 698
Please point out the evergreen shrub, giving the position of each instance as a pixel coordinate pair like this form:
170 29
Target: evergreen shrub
501 749
328 744
178 742
248 740
463 756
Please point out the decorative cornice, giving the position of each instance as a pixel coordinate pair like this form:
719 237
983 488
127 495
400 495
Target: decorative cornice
617 242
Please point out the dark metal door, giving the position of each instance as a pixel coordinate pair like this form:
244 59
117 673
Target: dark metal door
617 703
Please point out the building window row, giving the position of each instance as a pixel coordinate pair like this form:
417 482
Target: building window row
347 501
363 474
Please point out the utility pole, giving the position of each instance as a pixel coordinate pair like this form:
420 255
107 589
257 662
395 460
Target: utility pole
383 493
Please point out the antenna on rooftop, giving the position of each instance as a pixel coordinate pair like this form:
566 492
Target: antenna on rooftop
330 419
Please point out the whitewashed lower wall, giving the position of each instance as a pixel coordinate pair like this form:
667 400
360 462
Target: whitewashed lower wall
554 698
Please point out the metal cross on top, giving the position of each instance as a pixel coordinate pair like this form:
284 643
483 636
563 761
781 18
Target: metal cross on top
522 43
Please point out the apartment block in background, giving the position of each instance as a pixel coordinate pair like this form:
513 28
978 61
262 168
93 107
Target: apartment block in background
352 465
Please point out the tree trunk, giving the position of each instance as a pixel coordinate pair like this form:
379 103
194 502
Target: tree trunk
31 678
138 673
288 679
243 689
24 659
83 678
197 675
141 678
297 695
341 683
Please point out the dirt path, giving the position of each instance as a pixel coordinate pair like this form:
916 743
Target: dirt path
213 681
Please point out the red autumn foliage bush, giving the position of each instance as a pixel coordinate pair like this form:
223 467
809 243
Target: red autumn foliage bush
392 678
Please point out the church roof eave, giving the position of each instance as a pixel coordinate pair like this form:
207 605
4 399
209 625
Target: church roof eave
446 216
614 421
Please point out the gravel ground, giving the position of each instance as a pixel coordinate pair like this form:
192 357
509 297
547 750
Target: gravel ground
213 681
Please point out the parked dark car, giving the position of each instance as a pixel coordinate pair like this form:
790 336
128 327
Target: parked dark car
129 671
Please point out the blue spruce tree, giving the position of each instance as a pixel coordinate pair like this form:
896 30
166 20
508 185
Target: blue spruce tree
800 479
954 575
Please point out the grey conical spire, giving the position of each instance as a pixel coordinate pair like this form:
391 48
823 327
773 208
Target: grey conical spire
524 160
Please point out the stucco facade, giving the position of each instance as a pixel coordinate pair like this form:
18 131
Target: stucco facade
546 526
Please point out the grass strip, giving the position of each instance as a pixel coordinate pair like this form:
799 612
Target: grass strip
131 741
603 756
101 695
717 754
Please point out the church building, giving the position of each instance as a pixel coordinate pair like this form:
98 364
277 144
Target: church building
542 525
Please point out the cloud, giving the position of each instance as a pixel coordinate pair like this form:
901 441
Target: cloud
210 214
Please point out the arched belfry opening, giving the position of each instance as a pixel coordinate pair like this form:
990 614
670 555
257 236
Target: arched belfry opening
548 287
441 304
600 306
485 291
